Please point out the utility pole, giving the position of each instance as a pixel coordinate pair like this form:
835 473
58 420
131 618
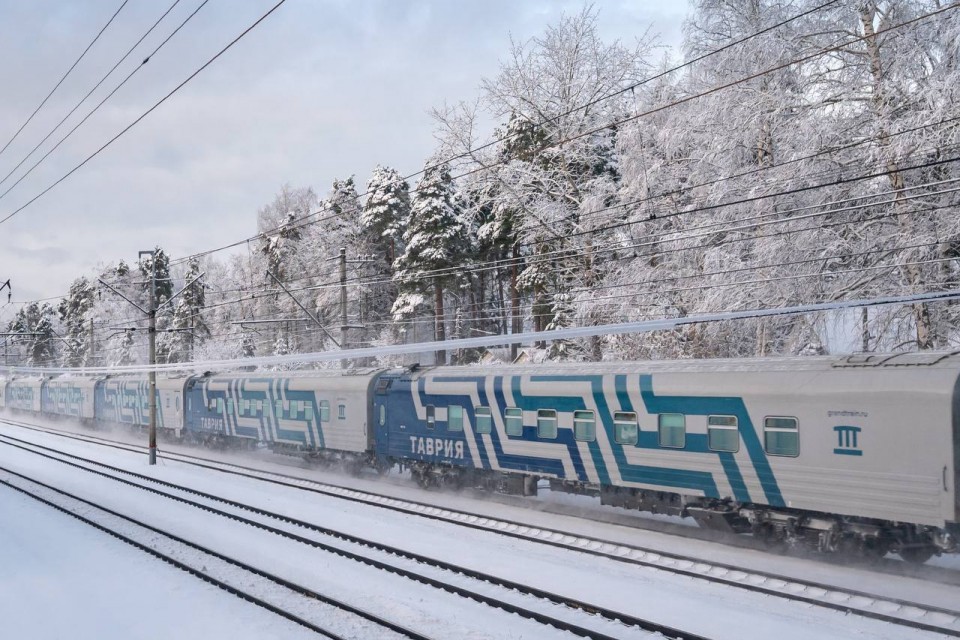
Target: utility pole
152 335
151 313
93 345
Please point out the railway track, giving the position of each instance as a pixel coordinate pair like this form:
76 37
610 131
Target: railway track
852 601
261 588
470 584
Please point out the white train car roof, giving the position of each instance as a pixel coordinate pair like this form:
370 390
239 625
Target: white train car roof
27 381
889 361
331 379
164 382
80 382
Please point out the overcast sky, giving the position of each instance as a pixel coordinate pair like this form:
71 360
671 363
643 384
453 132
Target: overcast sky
321 89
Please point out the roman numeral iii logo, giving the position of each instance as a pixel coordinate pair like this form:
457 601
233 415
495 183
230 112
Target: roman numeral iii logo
847 441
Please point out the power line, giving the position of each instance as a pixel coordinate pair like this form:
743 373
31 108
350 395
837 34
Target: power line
681 236
630 88
826 152
494 142
663 252
84 98
69 71
505 339
147 112
95 109
687 234
498 263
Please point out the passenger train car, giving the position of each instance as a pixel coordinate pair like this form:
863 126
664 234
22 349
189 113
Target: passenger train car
320 414
857 455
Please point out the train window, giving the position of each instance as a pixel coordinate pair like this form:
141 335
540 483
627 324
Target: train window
546 423
178 403
584 426
259 406
278 408
383 415
513 421
484 420
212 406
219 405
294 408
673 430
342 411
230 404
625 430
454 418
431 418
722 434
308 412
781 437
324 411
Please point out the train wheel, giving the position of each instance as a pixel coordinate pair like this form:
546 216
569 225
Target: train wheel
916 554
771 537
872 550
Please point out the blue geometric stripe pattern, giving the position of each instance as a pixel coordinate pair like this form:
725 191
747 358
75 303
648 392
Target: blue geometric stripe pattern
565 446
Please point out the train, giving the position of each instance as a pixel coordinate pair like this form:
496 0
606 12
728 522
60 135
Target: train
854 455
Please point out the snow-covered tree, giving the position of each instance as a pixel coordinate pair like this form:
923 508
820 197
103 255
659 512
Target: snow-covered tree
342 214
74 313
38 337
435 243
122 349
188 325
386 211
161 272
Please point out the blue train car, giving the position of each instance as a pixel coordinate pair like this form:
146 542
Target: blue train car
69 397
125 400
776 446
24 394
321 414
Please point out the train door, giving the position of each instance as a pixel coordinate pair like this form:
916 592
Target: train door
177 423
381 416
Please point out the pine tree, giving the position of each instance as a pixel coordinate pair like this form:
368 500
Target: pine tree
386 212
281 246
35 322
74 311
382 221
162 274
187 322
342 229
123 352
435 240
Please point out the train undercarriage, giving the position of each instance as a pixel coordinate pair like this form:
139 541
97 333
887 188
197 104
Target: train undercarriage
845 537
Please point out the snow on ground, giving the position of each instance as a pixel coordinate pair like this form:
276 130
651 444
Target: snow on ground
712 610
62 579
